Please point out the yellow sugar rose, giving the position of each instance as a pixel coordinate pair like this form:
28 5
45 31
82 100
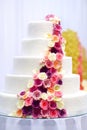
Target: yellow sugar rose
57 99
57 87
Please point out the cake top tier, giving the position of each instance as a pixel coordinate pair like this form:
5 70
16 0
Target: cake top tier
39 29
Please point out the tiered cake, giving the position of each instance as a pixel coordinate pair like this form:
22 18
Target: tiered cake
32 52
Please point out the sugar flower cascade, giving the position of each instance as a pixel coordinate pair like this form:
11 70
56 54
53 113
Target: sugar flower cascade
43 97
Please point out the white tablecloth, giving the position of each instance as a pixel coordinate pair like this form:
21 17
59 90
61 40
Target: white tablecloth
73 123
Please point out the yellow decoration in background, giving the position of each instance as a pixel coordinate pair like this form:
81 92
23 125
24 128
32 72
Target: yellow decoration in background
71 48
84 53
74 49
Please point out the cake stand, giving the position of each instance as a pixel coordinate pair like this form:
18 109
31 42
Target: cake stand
78 122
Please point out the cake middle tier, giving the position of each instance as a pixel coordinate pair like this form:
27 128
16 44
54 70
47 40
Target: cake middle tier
26 65
18 83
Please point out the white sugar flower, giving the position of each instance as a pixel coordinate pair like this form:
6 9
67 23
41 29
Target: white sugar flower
20 104
60 104
44 96
51 44
30 84
35 71
52 56
42 76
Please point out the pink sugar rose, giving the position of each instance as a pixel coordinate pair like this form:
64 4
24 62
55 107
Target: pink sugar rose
52 70
60 76
45 58
30 94
50 98
57 27
62 40
52 105
47 83
45 113
36 94
38 82
56 32
53 113
54 78
49 16
28 101
59 56
57 45
58 94
35 76
32 89
44 104
48 64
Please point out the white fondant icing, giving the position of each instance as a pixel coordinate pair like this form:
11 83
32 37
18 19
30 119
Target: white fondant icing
76 103
39 29
26 65
70 84
34 47
17 83
7 103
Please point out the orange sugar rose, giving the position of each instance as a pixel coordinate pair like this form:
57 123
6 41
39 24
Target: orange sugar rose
19 113
57 64
50 89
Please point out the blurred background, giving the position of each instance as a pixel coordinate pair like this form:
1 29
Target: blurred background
16 14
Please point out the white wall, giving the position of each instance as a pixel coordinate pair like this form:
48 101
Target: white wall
16 14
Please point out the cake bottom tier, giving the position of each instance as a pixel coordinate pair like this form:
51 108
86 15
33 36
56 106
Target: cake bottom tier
75 104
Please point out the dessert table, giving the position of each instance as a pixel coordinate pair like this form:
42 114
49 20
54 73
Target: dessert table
70 123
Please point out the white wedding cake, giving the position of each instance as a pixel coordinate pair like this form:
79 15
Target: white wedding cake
30 61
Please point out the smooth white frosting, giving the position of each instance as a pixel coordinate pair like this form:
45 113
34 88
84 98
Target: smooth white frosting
39 29
70 84
7 103
34 47
76 103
